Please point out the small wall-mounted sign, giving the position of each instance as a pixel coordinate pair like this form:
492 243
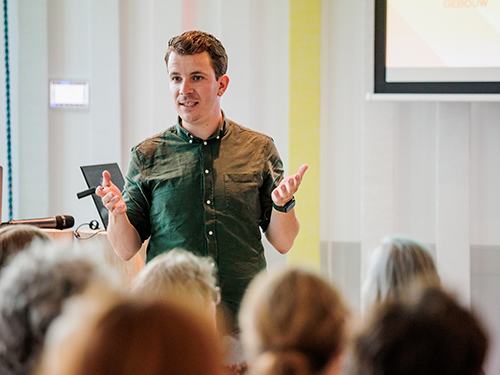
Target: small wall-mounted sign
69 94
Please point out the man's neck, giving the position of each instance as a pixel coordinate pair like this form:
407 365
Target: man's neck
202 131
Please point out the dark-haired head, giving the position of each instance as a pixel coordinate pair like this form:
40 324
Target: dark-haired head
194 42
429 333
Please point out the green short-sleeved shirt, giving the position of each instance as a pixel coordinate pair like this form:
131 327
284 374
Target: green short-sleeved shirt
209 197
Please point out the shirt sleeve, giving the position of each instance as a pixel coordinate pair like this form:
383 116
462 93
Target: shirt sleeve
273 174
135 195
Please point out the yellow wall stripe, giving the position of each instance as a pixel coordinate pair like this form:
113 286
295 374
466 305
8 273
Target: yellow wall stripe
304 125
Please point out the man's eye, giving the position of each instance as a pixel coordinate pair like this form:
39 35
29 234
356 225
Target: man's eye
176 79
197 78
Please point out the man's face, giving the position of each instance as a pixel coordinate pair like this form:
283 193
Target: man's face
195 90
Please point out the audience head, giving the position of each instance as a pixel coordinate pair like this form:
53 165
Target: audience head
33 288
193 42
293 322
136 337
183 276
424 335
14 238
394 266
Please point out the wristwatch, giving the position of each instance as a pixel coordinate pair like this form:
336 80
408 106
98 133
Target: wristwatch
287 207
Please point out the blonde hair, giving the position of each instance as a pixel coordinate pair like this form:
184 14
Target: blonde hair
292 323
395 266
178 274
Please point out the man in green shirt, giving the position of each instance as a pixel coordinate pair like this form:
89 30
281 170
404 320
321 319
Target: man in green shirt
206 184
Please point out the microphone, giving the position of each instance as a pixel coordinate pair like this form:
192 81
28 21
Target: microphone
54 222
86 193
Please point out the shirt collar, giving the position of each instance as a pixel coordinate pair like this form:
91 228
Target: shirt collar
219 132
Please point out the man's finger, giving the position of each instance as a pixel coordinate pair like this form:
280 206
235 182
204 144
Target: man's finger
106 179
302 170
276 193
121 208
284 189
291 184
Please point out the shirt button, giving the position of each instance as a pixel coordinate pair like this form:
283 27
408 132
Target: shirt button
190 141
205 143
207 171
218 137
210 233
208 201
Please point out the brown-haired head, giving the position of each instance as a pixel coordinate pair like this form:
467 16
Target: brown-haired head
14 238
293 322
151 337
194 42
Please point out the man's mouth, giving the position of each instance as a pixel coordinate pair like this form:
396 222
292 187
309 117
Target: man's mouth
188 104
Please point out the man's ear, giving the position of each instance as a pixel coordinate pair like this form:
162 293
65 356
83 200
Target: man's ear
223 83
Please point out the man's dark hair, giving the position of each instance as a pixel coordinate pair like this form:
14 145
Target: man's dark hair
193 42
431 334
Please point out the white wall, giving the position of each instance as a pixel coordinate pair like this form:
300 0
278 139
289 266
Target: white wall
427 170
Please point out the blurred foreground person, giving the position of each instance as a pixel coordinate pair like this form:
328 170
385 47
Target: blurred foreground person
135 337
428 334
293 322
33 289
184 277
180 275
394 267
14 238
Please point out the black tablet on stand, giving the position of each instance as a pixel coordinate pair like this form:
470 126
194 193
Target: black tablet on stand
93 178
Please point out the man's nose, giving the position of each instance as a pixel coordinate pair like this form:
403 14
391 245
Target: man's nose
186 88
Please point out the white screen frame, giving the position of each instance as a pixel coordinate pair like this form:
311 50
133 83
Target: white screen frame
382 86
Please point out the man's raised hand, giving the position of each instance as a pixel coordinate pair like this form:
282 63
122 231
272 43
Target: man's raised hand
288 187
111 196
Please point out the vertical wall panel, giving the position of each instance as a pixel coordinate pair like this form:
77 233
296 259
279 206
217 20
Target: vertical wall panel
342 100
485 173
32 162
415 171
236 36
453 197
377 210
105 72
305 46
135 37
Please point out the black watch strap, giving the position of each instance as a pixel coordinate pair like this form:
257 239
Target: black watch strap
287 207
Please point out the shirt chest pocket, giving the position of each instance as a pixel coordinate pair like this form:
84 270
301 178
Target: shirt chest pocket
242 193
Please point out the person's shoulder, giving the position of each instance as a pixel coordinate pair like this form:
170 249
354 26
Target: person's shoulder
150 144
243 131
